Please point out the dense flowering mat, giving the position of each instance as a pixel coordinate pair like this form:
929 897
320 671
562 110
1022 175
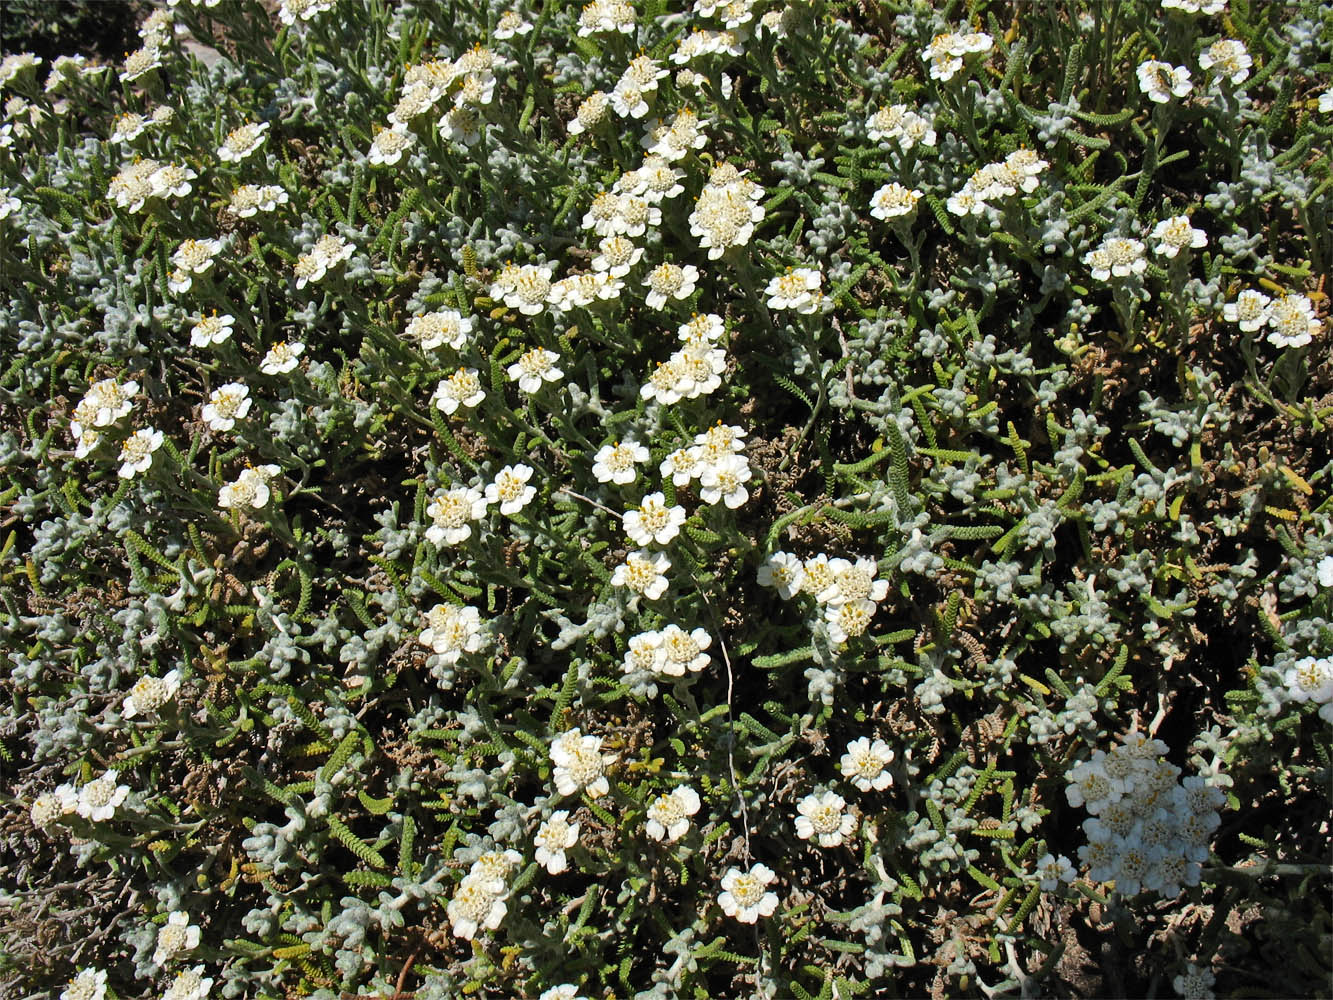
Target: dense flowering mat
813 500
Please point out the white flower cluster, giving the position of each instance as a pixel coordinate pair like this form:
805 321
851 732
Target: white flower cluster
105 402
452 630
822 816
946 52
149 694
1311 679
799 289
668 652
1291 319
602 16
555 836
479 902
726 211
249 489
328 252
849 592
716 461
131 188
177 935
1117 256
1148 831
694 370
1003 179
900 124
96 801
579 764
1161 81
668 817
746 896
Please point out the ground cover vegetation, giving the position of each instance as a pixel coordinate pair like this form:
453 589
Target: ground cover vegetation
643 500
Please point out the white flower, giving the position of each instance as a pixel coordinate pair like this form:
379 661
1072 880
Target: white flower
642 652
511 23
105 402
653 521
644 573
702 328
1228 58
616 255
1250 310
822 817
783 571
1310 679
745 895
798 289
853 582
141 61
629 100
250 489
1176 234
491 871
615 463
89 984
1194 983
136 452
1325 571
1195 6
172 179
226 405
510 489
579 764
725 480
534 368
669 814
462 388
328 252
242 141
1116 257
196 256
440 328
669 281
680 651
1052 871
461 125
189 984
894 201
289 11
281 358
1292 322
1326 101
565 991
1160 80
1092 788
99 799
848 619
389 145
175 936
128 127
530 288
473 908
17 64
867 763
555 836
450 511
250 199
589 113
452 631
53 805
149 694
682 465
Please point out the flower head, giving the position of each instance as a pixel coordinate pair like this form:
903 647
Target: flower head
281 358
644 573
746 896
866 764
579 764
653 521
510 489
250 489
226 405
1176 234
462 388
136 452
555 836
452 631
100 798
669 814
534 368
149 694
242 141
1161 81
451 511
821 816
175 936
615 463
